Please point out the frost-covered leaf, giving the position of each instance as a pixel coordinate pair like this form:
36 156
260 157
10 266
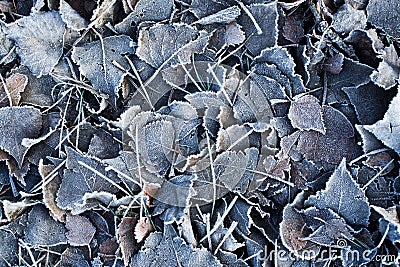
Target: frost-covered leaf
49 191
224 16
344 196
385 17
42 230
234 34
210 104
240 213
229 259
105 12
388 129
352 74
234 169
305 113
18 123
145 10
336 143
388 71
173 197
178 43
348 18
277 64
293 29
80 230
39 38
369 141
293 231
73 257
365 98
170 250
5 46
328 227
38 90
96 59
125 234
142 229
202 8
71 17
10 94
8 248
259 22
252 104
82 175
229 245
334 64
232 138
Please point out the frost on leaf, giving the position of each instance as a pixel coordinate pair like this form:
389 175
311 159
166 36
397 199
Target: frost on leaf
146 10
80 230
203 8
5 46
49 191
178 43
276 63
71 17
347 19
96 59
10 94
8 249
234 169
240 213
73 257
293 231
388 70
259 22
344 196
305 113
82 175
42 230
173 197
388 129
170 250
210 104
126 240
39 40
385 17
353 74
234 34
232 138
365 98
16 124
38 90
224 16
336 143
328 227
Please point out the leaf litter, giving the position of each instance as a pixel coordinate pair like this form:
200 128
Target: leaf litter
198 133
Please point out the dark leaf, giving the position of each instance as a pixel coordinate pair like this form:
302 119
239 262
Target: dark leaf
337 142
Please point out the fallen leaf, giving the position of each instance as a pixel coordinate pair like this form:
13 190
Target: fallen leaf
344 196
39 38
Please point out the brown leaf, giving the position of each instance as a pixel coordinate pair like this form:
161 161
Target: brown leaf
10 94
125 234
293 30
49 191
142 229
